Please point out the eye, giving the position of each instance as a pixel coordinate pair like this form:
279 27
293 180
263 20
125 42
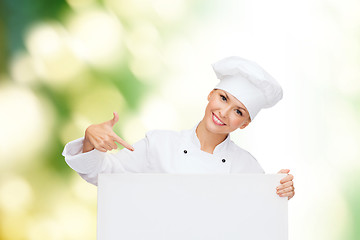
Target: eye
239 112
223 97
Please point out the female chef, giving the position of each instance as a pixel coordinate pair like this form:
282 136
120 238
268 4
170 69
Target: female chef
244 89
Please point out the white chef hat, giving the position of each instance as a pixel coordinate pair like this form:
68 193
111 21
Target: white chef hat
248 82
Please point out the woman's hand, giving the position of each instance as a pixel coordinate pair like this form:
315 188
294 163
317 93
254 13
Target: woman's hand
102 137
286 189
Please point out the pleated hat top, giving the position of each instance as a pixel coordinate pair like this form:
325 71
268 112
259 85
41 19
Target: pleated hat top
248 82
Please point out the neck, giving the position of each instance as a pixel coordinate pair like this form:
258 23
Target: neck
207 139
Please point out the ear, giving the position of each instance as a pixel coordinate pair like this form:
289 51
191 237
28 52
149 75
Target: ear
210 94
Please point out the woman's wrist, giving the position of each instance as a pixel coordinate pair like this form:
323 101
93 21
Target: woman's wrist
87 146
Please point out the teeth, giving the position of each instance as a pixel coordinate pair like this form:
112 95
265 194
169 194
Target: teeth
218 121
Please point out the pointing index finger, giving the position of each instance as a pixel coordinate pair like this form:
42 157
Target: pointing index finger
123 143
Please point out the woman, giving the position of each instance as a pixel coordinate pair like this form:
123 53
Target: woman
244 89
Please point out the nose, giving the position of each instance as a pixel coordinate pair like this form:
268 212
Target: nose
224 112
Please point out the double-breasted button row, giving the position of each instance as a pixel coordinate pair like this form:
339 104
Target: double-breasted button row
223 160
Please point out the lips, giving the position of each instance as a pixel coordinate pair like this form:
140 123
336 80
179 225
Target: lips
216 120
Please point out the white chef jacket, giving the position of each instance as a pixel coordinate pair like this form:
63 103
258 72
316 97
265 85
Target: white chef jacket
162 151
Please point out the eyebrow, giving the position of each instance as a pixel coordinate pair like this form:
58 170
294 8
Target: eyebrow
236 106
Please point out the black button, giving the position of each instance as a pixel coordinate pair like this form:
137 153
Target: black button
223 160
185 151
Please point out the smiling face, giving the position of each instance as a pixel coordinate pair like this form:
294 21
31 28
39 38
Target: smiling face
224 113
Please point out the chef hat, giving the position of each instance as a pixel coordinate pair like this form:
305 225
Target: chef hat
248 82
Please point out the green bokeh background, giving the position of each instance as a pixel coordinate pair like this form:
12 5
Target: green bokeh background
67 64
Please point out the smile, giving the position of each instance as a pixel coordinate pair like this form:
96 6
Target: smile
217 121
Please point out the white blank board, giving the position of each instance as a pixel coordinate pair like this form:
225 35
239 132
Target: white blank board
191 207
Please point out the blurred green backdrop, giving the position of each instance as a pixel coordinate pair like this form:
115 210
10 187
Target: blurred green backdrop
65 64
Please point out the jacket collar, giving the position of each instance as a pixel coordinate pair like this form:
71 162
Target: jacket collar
219 148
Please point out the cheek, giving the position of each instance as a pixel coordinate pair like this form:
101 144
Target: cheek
212 105
208 111
236 121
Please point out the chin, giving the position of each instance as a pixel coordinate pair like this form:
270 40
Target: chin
213 128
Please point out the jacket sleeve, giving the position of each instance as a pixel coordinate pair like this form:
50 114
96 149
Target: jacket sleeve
88 165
